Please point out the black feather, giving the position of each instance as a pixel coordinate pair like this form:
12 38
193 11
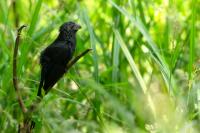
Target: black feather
54 58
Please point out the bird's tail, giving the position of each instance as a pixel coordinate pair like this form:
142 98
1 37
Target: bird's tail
41 84
40 88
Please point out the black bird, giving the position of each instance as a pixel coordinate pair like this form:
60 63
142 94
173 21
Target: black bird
54 58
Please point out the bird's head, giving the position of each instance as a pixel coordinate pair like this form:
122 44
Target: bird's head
70 27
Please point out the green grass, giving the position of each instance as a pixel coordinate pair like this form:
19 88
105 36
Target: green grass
142 75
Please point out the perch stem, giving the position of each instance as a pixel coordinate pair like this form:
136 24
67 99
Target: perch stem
15 79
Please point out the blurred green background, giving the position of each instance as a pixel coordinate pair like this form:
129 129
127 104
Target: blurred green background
142 75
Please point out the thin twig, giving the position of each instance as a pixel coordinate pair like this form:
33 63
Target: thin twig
74 60
15 79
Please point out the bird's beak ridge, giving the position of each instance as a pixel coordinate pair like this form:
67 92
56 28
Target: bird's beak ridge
77 27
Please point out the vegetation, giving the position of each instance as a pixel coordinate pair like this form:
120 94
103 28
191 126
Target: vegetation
142 75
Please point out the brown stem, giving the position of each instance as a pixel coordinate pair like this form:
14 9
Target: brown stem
15 79
74 60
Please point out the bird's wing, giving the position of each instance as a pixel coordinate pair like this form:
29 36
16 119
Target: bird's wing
44 61
53 61
58 54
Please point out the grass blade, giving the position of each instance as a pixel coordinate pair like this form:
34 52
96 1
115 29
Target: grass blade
152 47
192 39
131 61
115 60
135 70
35 17
26 46
92 41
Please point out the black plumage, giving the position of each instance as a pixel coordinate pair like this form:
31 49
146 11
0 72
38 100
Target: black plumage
54 58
